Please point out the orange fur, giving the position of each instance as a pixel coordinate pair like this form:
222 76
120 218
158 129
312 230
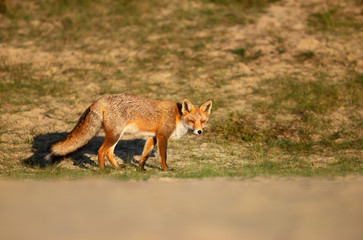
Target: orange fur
121 113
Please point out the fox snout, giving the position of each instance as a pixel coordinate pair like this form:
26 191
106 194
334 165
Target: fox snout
198 132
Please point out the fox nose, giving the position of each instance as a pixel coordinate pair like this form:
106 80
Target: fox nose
200 132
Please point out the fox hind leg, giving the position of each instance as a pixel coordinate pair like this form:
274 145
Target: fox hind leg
107 148
149 146
110 156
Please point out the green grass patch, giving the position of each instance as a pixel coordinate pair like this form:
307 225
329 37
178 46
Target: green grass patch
305 133
305 55
246 3
296 95
19 86
246 55
333 21
287 166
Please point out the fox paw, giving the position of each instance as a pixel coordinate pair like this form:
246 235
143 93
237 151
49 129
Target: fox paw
165 168
141 169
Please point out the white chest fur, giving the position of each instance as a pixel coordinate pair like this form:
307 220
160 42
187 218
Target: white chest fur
179 131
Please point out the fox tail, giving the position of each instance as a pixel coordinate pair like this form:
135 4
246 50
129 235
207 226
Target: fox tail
87 127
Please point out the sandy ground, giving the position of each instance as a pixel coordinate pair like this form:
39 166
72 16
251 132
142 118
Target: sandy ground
259 208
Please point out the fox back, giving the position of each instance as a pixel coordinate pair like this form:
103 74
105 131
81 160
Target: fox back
137 114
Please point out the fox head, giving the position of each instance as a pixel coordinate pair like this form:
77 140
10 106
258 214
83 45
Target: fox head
196 117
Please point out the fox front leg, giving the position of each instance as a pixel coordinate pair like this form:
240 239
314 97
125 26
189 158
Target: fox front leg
162 144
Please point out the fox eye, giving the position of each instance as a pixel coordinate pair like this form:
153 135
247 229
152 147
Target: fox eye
202 121
191 121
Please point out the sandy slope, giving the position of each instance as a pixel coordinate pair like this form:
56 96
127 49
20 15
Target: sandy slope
261 208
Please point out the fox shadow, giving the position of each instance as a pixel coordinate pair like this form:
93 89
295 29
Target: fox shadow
126 150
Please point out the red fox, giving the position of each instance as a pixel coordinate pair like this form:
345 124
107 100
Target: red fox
120 113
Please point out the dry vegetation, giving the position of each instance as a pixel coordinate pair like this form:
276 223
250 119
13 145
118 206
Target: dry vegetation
286 78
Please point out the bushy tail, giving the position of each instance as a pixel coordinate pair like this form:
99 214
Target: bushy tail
87 127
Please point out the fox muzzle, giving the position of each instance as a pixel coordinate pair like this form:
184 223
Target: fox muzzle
198 132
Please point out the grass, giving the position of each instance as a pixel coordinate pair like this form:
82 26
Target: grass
20 87
305 55
317 96
260 4
288 166
334 21
62 55
251 56
309 132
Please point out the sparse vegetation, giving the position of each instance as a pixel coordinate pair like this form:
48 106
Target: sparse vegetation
241 52
335 21
322 95
305 55
276 111
308 132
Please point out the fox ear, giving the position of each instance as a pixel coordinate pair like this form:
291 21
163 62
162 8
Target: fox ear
187 106
206 107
